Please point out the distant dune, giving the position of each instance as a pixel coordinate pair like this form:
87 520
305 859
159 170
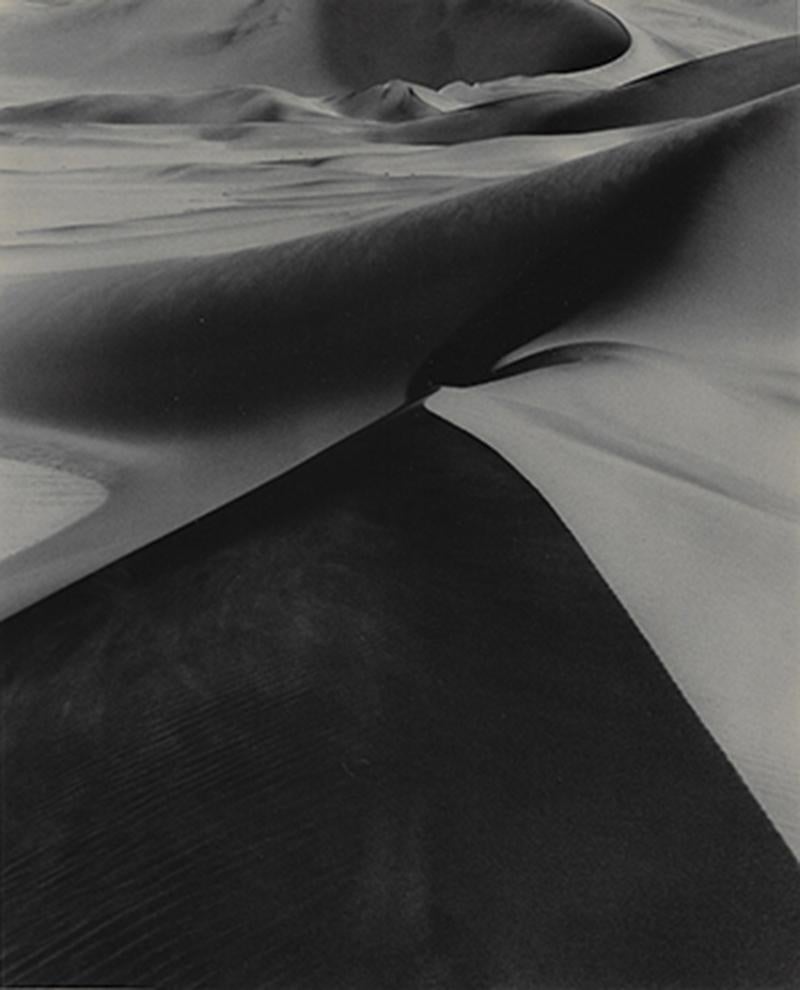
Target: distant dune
219 106
434 43
303 686
310 45
692 89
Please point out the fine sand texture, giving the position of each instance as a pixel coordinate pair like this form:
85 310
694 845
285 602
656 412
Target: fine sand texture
399 547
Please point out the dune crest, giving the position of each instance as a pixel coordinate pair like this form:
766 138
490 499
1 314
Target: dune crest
657 422
693 88
219 106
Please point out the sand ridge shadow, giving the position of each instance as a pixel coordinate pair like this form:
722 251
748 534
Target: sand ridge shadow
337 733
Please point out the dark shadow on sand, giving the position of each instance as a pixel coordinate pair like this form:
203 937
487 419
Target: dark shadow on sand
378 724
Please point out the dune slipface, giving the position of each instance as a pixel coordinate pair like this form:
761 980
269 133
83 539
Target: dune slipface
398 402
351 726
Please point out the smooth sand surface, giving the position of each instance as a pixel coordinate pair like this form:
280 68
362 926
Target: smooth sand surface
692 89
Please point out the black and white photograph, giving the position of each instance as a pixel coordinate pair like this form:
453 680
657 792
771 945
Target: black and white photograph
400 494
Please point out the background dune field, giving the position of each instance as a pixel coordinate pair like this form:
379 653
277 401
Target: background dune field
399 552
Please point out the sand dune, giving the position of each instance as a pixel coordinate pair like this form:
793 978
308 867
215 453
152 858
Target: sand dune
674 399
435 43
155 350
38 501
380 721
407 716
158 347
244 103
309 46
392 101
692 89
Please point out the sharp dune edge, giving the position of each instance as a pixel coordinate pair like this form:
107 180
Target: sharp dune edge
304 686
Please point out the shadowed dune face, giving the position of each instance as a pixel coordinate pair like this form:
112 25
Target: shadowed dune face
434 42
692 89
378 725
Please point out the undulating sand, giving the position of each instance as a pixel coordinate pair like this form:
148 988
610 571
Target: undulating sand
410 707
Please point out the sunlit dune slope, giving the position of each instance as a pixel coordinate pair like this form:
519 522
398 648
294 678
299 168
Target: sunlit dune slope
658 422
